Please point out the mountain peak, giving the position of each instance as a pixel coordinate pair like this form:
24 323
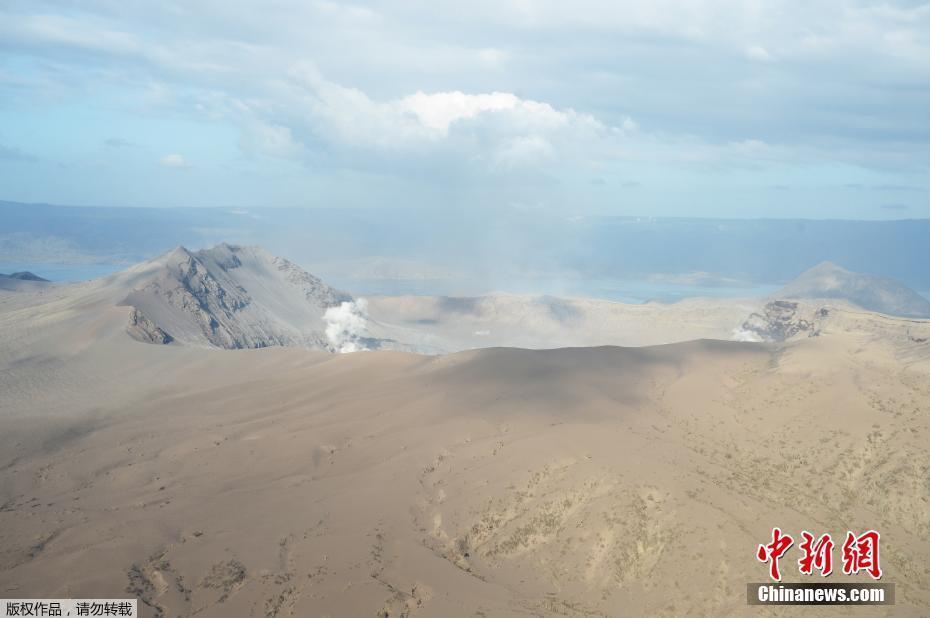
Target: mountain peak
178 254
828 265
831 281
25 276
230 296
223 255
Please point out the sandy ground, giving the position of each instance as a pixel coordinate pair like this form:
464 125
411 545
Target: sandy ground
441 324
499 482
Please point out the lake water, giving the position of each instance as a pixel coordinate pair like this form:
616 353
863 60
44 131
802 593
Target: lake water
622 290
63 272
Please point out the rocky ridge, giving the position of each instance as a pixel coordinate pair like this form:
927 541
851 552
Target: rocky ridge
781 320
230 297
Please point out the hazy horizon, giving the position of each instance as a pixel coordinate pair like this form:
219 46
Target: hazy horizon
324 207
421 251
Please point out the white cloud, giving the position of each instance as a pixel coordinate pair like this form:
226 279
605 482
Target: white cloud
439 110
174 160
492 57
270 139
524 150
498 127
757 52
440 92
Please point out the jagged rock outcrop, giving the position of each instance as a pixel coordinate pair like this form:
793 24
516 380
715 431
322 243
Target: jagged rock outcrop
829 281
780 320
143 329
230 297
314 288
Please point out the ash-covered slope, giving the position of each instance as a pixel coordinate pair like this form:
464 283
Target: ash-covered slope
229 297
827 280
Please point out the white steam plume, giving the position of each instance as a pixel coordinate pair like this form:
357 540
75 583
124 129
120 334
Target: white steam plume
345 326
741 334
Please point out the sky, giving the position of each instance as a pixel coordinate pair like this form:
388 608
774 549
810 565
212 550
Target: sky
702 108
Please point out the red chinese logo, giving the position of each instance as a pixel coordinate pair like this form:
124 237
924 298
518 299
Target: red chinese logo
817 555
860 553
772 552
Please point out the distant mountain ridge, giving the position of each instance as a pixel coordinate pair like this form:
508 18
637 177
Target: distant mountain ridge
24 276
229 297
884 295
